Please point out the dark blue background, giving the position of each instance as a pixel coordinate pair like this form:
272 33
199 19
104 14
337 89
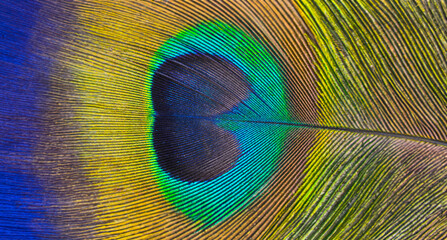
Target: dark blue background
22 87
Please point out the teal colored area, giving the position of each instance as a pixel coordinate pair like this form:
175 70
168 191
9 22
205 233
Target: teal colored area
213 201
267 101
210 202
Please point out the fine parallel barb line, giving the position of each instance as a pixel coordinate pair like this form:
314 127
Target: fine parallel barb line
343 129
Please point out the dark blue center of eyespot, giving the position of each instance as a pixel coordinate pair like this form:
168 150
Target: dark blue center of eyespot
188 93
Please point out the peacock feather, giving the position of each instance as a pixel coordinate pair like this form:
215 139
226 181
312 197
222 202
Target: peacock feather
237 119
